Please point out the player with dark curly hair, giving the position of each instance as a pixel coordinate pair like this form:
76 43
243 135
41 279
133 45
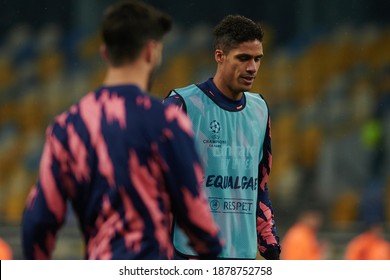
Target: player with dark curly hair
123 160
233 136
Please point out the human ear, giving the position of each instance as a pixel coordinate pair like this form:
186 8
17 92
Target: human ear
218 55
103 52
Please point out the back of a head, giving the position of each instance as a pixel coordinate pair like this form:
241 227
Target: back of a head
234 30
375 226
311 217
128 25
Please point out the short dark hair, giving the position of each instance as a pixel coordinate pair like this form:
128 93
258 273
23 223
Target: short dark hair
128 25
233 30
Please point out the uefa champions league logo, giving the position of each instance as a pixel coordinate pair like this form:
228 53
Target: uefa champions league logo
214 136
215 127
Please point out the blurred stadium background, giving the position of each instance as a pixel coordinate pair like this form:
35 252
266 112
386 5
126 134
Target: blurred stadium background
325 75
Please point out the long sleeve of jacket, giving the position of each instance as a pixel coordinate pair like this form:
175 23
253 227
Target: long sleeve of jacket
46 206
267 240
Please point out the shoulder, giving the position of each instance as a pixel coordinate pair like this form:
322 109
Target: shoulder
178 96
173 98
257 99
187 89
184 91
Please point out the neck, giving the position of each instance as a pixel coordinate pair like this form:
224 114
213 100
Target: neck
135 74
228 92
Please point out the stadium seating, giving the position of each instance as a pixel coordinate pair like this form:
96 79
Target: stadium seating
321 96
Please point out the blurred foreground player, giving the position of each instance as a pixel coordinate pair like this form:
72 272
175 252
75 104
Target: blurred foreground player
123 159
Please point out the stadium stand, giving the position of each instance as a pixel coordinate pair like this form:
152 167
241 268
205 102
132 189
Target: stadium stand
322 95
